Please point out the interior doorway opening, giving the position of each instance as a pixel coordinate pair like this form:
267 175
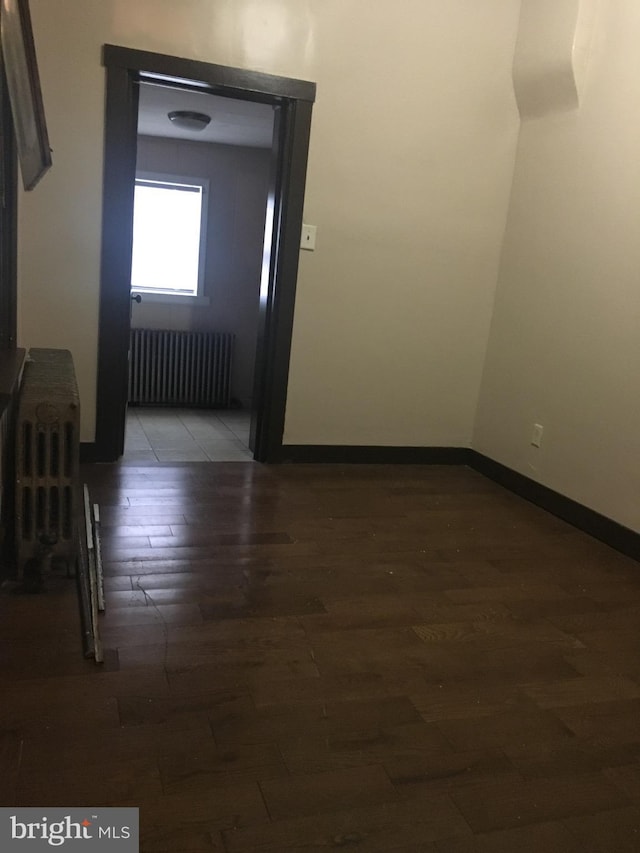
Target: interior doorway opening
290 102
200 202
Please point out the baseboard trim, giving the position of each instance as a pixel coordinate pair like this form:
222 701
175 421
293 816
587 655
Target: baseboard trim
89 453
588 520
374 455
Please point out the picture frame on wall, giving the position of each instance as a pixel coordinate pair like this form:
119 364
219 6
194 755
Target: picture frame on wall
25 94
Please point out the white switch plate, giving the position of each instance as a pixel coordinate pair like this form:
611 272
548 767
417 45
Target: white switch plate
536 435
308 237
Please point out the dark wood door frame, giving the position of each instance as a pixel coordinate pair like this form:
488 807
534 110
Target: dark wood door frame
125 70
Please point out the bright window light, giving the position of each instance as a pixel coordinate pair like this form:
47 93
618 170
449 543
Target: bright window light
168 237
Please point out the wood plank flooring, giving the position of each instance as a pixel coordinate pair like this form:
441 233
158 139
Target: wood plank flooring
306 658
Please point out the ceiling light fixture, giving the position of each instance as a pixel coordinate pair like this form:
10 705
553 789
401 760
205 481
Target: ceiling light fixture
189 120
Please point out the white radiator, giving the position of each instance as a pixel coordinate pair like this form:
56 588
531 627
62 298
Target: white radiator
174 368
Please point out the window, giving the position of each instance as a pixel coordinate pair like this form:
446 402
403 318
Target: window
169 235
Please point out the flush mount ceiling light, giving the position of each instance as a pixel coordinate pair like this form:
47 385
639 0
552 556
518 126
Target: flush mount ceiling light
189 120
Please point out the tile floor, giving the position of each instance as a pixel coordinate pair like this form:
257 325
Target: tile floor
186 435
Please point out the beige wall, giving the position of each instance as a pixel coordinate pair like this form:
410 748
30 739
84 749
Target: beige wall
238 185
412 151
564 349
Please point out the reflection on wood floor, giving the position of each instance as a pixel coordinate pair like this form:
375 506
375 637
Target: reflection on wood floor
329 657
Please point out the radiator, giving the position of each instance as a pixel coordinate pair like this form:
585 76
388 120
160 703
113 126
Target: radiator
175 368
47 457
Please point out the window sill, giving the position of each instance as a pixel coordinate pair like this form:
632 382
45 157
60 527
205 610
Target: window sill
171 298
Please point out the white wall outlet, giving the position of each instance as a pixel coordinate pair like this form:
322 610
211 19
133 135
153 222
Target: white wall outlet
536 435
308 237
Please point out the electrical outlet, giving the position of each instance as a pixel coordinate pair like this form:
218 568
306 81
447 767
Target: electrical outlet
536 435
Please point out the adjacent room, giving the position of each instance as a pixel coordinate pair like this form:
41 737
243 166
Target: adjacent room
202 176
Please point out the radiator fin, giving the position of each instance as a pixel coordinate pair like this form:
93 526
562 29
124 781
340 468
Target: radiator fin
175 368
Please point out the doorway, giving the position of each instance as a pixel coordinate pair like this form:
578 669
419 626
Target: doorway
202 181
292 102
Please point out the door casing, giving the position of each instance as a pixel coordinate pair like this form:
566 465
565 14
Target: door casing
293 100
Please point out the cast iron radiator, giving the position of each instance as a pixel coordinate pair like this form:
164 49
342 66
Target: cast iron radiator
47 457
173 368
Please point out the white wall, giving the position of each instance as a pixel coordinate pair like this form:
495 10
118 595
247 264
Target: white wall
412 154
564 349
412 151
238 185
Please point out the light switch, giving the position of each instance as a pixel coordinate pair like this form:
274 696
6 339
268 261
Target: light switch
308 237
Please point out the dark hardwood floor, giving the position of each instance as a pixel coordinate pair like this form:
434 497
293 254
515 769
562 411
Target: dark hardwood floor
304 658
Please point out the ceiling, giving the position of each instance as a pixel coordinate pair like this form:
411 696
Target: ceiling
233 122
